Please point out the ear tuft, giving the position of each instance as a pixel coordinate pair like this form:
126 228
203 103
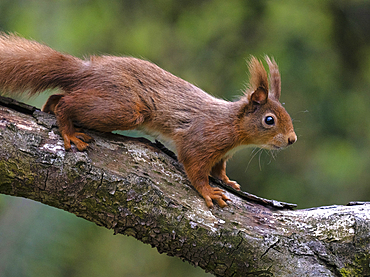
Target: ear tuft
274 77
258 75
258 82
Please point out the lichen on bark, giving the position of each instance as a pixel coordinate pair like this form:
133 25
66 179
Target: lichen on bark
134 188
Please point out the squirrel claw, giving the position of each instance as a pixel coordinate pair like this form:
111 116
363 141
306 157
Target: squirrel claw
75 139
233 184
217 195
84 137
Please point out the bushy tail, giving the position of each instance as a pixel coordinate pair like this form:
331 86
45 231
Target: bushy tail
30 67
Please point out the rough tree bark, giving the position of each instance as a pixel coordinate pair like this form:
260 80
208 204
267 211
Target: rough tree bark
133 187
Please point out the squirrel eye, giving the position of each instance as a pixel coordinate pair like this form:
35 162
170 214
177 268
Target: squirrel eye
269 120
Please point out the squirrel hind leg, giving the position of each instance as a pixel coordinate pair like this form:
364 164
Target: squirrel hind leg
51 103
81 145
68 131
69 135
84 137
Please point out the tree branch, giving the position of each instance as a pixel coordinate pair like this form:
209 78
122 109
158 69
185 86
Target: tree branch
133 187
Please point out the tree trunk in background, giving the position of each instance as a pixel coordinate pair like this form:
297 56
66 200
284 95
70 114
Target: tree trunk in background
135 188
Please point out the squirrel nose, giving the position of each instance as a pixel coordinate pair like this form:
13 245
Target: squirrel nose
292 139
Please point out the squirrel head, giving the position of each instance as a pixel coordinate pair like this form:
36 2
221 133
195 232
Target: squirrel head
263 120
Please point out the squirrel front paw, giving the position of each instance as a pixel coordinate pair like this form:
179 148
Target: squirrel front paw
233 184
210 193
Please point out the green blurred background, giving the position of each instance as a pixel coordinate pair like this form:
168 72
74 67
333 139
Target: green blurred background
323 50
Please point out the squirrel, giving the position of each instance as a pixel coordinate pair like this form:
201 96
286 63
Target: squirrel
108 93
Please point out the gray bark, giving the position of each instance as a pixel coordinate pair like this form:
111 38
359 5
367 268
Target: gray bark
133 187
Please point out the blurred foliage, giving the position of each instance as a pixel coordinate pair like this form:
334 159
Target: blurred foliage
323 50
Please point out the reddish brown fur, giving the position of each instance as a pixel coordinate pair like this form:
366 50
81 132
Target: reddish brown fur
119 93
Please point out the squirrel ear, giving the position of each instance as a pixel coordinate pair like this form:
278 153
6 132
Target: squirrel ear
274 77
258 82
259 96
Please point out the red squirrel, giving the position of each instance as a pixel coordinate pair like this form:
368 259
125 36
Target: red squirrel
108 93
